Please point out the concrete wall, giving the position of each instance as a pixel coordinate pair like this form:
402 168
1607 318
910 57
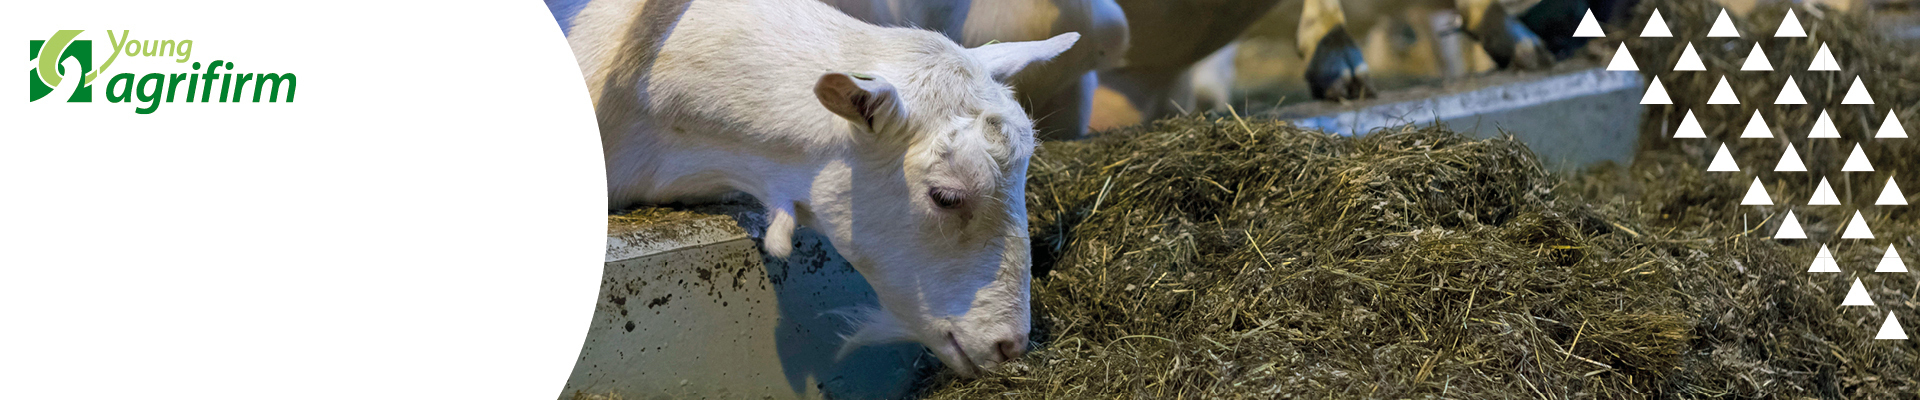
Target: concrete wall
689 308
1570 117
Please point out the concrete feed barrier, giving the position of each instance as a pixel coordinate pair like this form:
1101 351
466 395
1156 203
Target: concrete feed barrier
689 308
1572 117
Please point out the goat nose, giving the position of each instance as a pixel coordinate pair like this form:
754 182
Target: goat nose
1011 348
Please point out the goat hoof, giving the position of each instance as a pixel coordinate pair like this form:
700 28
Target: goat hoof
1509 43
1337 71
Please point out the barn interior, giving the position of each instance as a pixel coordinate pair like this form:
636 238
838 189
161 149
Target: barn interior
1238 253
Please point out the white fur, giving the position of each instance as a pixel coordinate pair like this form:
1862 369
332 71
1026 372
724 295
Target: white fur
701 98
1059 93
1213 79
1167 38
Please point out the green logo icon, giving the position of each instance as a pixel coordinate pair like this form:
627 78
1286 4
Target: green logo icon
48 72
66 60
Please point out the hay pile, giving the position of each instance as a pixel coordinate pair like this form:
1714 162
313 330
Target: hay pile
1777 330
1209 257
1890 71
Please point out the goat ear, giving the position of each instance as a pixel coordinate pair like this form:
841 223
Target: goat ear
867 100
1002 60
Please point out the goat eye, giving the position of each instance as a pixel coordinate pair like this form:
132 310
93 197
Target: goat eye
946 198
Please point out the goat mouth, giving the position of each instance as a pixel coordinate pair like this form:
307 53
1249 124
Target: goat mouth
970 368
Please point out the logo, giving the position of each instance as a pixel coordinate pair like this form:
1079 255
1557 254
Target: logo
50 71
65 62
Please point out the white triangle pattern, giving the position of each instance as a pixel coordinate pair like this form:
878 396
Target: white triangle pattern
1689 60
1891 195
1790 161
1857 296
1722 94
1790 228
1723 161
1891 330
1789 27
1891 262
1656 94
1857 228
1824 262
1590 27
1723 27
1757 60
1790 94
1857 94
1823 128
1891 129
1656 27
1823 195
1823 60
1622 60
1690 128
1757 127
1757 194
1857 162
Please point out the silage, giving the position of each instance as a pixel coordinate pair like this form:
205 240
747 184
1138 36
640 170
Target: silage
1210 257
1233 259
1764 327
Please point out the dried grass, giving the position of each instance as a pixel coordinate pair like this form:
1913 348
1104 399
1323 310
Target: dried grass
1219 258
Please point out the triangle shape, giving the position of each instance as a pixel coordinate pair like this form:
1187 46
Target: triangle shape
1891 262
1823 195
1656 94
1823 262
1622 60
1857 228
1857 162
1656 27
1892 128
1757 127
1823 60
1790 228
1823 128
1790 94
1689 60
1690 128
1723 161
1789 27
1590 27
1722 94
1857 94
1790 162
1891 195
1857 296
1757 60
1723 27
1757 194
1891 330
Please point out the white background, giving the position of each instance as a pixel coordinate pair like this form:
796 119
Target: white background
426 220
